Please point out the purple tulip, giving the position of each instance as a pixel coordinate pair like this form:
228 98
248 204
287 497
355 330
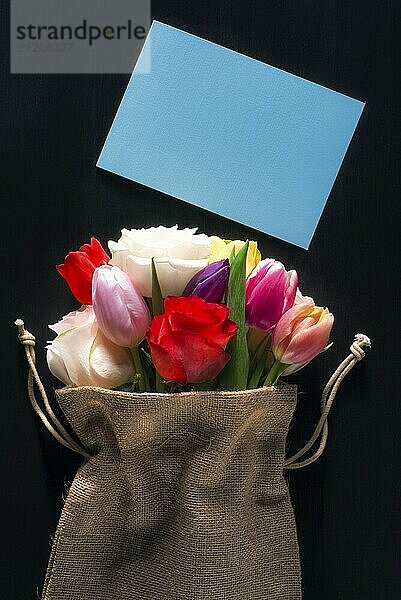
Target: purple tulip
121 312
270 292
210 283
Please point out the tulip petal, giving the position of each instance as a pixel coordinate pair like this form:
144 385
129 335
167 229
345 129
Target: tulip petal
222 249
121 312
270 292
283 328
175 274
257 275
218 249
300 299
96 252
307 344
291 290
210 283
291 369
78 268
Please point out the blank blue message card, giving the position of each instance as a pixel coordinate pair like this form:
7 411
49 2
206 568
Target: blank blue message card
230 134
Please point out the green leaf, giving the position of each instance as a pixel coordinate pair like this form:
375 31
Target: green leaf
258 363
157 298
256 375
147 356
148 369
158 309
235 375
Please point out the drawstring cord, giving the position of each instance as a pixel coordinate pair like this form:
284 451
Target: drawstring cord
58 431
357 353
48 418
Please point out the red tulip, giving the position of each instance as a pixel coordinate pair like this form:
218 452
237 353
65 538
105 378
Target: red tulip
188 341
78 268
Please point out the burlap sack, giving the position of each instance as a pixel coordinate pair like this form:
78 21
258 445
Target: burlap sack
183 499
182 496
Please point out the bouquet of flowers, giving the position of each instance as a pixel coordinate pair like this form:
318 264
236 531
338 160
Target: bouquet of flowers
174 310
180 495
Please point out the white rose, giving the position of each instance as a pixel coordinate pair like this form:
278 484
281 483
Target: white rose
179 254
82 355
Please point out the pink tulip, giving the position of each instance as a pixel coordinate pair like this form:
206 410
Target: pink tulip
301 299
270 292
301 333
120 310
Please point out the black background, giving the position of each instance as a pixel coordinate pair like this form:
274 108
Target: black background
52 129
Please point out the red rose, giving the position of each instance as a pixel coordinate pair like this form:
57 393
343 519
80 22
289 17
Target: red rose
188 341
79 266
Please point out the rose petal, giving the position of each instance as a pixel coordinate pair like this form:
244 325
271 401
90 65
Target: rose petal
109 365
178 254
158 328
168 242
173 274
74 346
188 358
167 358
76 318
56 363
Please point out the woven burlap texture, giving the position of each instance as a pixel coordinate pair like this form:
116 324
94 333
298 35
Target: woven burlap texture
184 498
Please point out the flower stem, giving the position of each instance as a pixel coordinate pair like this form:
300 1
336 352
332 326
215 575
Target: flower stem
157 309
138 367
258 361
160 389
253 380
277 369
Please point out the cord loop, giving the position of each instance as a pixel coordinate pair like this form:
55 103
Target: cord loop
47 415
357 353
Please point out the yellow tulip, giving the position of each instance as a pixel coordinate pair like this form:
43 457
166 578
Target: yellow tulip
223 248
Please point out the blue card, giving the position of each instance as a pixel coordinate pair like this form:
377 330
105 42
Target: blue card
230 134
